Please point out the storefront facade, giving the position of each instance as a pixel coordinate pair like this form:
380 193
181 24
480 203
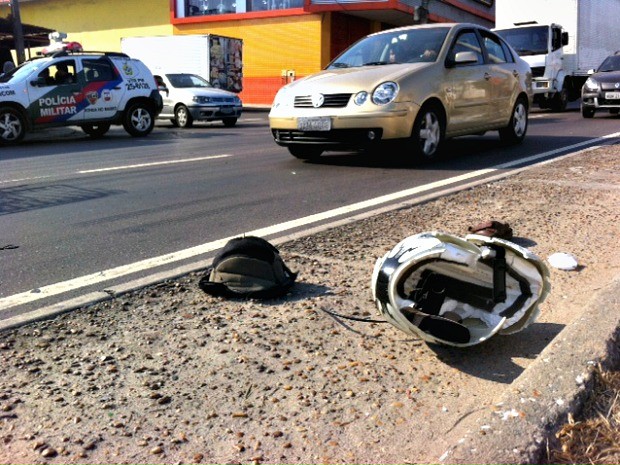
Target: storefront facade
282 39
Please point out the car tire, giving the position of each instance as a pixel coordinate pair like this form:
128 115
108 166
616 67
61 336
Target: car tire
428 133
515 132
587 112
139 119
229 122
12 126
304 152
182 117
96 130
559 100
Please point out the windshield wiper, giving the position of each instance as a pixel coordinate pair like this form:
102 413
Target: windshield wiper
377 63
340 65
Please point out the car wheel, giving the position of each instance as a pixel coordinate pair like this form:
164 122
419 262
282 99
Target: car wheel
428 133
304 152
12 126
182 117
587 112
515 132
560 100
229 122
139 119
96 130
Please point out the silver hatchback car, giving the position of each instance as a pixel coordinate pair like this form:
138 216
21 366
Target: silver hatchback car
418 85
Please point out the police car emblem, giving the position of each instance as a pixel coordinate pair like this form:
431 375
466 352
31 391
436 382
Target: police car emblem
92 97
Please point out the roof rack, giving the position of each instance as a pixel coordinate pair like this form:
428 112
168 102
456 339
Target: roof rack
63 53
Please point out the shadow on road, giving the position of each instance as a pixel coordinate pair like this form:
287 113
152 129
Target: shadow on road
495 359
22 198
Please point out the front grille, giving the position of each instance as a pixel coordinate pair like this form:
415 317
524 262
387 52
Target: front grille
331 101
222 100
609 86
538 71
610 102
344 137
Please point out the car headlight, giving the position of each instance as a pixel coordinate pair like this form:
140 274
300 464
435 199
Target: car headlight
282 98
591 84
201 99
385 93
238 101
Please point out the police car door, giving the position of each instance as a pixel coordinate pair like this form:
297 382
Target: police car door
54 95
102 88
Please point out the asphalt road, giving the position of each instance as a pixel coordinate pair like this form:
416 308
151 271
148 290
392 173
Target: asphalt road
72 207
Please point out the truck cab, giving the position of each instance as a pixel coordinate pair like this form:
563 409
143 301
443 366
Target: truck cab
541 46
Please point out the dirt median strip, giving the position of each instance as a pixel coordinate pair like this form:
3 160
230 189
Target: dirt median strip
168 374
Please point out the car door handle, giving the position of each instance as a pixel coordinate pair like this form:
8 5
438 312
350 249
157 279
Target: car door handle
515 73
487 76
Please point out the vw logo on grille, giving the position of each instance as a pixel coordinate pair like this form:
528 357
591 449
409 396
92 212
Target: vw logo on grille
317 100
617 85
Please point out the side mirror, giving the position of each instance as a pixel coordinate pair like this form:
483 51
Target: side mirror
464 58
565 38
38 82
591 71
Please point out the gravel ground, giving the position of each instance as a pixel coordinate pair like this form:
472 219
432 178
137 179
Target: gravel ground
168 374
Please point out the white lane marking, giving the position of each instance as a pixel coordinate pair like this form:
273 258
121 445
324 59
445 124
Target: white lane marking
25 179
126 167
124 270
155 163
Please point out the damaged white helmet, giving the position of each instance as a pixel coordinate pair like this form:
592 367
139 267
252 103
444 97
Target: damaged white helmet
459 291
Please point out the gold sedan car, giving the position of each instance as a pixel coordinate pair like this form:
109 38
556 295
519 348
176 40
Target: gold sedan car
414 85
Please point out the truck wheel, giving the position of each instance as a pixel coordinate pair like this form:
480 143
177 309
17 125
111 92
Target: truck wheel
428 133
559 100
139 120
229 122
96 130
587 112
182 117
12 126
304 152
515 132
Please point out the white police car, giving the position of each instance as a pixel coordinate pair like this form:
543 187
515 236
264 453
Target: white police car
92 90
189 97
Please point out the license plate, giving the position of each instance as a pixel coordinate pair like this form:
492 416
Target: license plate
612 95
226 110
315 123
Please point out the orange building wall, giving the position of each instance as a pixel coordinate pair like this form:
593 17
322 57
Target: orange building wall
271 47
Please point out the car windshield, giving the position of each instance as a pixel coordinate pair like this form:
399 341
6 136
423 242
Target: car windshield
399 46
25 69
611 63
187 80
527 40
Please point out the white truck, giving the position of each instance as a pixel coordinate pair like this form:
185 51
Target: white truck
217 59
562 40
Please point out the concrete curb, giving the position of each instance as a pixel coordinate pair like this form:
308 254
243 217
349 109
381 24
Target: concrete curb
538 402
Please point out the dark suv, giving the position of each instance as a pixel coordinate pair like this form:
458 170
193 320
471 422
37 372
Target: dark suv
602 89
